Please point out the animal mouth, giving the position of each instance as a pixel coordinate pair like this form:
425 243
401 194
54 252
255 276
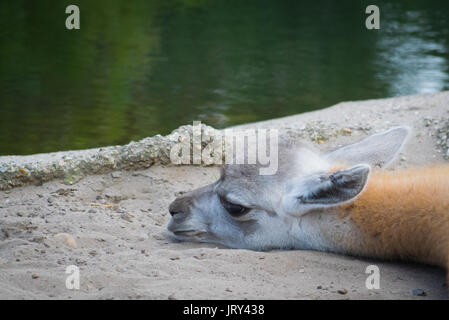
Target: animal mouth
189 233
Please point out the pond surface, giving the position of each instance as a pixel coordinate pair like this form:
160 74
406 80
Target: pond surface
139 68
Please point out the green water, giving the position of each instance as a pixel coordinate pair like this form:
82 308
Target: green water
138 68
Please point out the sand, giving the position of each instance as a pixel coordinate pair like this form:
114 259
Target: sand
116 226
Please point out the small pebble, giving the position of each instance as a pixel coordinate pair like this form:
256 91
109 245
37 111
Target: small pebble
68 239
126 217
419 292
116 175
342 291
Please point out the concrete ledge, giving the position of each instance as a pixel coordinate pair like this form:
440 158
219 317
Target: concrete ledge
71 166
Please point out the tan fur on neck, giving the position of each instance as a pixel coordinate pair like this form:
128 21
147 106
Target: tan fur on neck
404 214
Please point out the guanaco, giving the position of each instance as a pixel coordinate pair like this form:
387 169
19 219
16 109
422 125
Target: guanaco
342 202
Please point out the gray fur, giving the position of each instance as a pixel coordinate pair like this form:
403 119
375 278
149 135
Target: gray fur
282 209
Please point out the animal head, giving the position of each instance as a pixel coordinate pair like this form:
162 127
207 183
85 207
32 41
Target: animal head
244 209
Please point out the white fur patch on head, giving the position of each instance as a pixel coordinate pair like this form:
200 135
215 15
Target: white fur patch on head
310 162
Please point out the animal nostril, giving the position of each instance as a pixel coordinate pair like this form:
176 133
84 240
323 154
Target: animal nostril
180 205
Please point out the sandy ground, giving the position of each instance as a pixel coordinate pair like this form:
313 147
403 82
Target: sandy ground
118 221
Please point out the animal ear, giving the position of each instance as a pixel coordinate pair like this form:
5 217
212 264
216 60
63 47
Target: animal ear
336 188
328 190
378 150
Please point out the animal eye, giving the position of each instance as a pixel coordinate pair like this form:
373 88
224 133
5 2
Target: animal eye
233 209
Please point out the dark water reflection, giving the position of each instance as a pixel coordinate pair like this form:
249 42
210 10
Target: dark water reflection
138 68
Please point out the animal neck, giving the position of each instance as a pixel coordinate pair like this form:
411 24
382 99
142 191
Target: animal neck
402 214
